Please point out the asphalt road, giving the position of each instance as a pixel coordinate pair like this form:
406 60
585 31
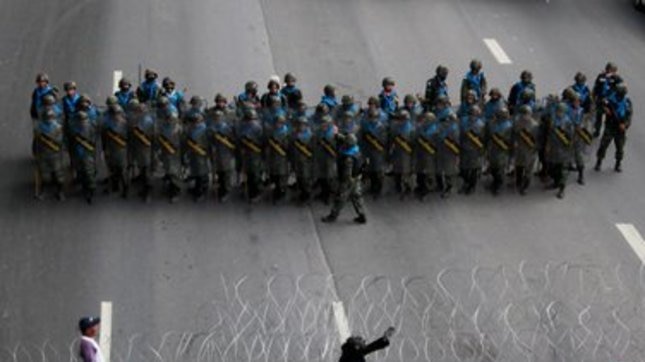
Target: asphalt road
492 273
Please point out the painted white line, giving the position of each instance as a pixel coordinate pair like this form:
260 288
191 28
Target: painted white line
497 51
105 333
118 74
634 239
341 320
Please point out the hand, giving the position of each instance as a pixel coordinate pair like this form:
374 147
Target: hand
622 127
389 333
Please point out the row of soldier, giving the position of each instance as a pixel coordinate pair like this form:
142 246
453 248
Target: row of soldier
423 142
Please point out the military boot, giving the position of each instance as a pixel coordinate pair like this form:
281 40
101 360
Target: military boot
360 219
560 194
618 167
581 175
598 165
330 218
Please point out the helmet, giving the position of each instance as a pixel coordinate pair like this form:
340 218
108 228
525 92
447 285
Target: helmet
84 98
611 67
196 117
289 78
168 83
621 89
302 120
326 119
503 113
220 98
251 114
275 101
387 81
150 74
527 95
525 110
475 65
562 108
280 120
347 115
82 115
250 86
580 78
373 113
48 100
471 94
442 71
403 114
569 94
350 140
163 102
526 76
409 98
476 111
329 90
50 114
124 83
134 103
275 78
42 77
429 117
373 101
196 101
442 100
111 100
218 115
69 85
322 108
347 99
495 92
273 83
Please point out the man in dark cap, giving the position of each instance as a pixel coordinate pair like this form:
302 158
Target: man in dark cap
355 349
89 348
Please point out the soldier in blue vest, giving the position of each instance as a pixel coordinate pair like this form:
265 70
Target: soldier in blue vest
618 110
525 138
582 137
291 92
467 103
604 86
326 154
372 139
196 106
142 143
472 135
277 156
448 150
583 92
125 93
48 149
273 88
114 138
169 137
411 105
349 184
175 96
250 141
425 160
401 152
436 87
495 102
320 113
70 108
271 113
196 155
249 98
500 147
223 152
347 104
329 97
85 105
474 81
83 133
388 98
302 159
149 90
514 97
347 123
42 89
559 150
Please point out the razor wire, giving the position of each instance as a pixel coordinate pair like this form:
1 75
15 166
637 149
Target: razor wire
526 312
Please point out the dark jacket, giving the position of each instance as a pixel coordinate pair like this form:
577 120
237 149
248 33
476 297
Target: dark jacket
351 354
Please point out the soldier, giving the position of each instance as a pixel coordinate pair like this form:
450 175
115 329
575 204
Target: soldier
546 119
500 147
250 144
42 89
400 151
436 87
169 136
195 146
514 97
83 134
347 123
447 147
525 135
70 101
582 136
326 158
291 92
141 136
125 94
349 185
495 103
347 104
249 98
373 138
223 149
301 110
175 97
85 105
149 90
272 113
618 109
472 133
559 148
274 91
373 103
411 105
221 105
114 137
320 113
604 86
469 101
329 97
388 98
48 149
474 81
197 107
50 103
302 153
277 157
583 92
527 98
426 154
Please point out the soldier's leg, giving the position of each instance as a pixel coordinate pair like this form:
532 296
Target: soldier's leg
306 185
145 175
498 178
253 184
465 180
559 178
519 179
605 140
356 196
398 184
340 198
58 178
174 188
600 112
448 180
421 189
439 182
619 143
580 165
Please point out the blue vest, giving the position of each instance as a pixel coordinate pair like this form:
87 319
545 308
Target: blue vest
388 101
175 98
583 92
123 98
475 82
39 94
69 105
331 102
351 151
150 89
618 106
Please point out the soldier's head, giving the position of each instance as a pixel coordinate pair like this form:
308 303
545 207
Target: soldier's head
150 75
196 118
290 79
495 94
471 97
388 84
442 102
347 100
502 114
302 123
124 85
373 114
373 103
42 80
330 91
163 102
353 345
50 115
621 90
301 106
275 102
112 104
611 68
220 101
403 115
273 86
196 102
70 88
347 117
135 106
561 109
527 96
217 116
326 120
475 66
442 72
409 101
475 111
525 110
580 78
428 117
569 94
526 77
168 84
49 100
322 109
84 102
250 115
251 88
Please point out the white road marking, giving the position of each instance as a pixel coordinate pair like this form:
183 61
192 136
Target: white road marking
497 51
634 239
105 333
118 74
341 320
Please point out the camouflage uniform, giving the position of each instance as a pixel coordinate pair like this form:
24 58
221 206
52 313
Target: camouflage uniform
447 149
401 152
372 139
326 154
250 141
114 137
525 136
83 134
500 146
169 136
223 152
277 158
619 117
425 151
302 158
48 149
141 136
196 153
472 134
559 147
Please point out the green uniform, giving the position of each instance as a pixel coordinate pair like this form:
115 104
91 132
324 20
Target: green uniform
325 155
472 134
250 141
83 133
141 136
401 153
48 148
223 152
373 138
302 153
425 155
619 117
500 145
349 189
525 137
559 149
277 159
114 136
196 154
447 150
169 136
